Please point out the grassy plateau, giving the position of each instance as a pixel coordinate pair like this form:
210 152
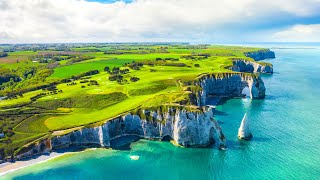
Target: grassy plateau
44 91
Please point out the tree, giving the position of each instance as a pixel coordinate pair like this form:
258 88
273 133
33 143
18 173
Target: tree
3 54
56 58
124 71
116 77
115 70
106 69
93 82
134 79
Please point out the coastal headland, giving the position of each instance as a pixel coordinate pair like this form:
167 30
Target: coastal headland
91 95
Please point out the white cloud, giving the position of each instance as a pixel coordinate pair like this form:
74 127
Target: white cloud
299 33
141 20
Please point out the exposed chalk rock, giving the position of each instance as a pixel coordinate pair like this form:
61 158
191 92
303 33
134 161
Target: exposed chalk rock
231 85
244 131
251 67
41 147
186 128
261 54
195 129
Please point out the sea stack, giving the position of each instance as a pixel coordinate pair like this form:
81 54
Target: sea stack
244 132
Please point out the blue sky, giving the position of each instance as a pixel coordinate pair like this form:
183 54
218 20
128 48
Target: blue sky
198 21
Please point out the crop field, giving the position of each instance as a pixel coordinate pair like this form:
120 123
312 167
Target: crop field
107 81
14 57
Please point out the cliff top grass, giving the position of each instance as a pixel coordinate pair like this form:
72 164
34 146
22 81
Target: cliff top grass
56 91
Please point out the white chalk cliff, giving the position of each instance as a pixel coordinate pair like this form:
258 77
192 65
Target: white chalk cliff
244 131
261 54
185 128
229 85
241 65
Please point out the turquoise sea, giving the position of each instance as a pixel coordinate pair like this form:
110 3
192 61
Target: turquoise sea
285 126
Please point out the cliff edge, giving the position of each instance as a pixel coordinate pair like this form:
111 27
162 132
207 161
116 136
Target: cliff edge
189 128
261 54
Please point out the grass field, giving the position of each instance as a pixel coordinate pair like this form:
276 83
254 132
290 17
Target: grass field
80 102
14 57
75 69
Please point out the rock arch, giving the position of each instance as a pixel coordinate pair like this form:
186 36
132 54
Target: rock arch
230 85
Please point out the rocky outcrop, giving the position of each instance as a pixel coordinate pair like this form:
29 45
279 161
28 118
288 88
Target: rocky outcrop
244 132
241 65
229 85
184 127
261 54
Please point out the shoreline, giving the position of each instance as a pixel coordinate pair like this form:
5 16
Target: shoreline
10 167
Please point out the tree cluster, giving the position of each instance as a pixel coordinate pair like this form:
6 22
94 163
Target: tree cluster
40 95
79 59
3 54
88 73
196 56
72 84
93 83
84 81
134 79
116 77
135 65
167 59
14 95
116 74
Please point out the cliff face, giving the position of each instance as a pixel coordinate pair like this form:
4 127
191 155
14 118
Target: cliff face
41 147
261 54
185 128
231 85
251 67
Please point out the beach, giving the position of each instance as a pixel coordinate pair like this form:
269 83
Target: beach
10 167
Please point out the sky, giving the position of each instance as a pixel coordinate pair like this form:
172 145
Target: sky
195 21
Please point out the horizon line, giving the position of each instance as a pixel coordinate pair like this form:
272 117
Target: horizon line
159 42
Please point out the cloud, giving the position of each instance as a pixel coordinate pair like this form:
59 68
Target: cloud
147 20
5 35
299 33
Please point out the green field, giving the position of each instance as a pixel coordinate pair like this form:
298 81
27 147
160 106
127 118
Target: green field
75 69
155 79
